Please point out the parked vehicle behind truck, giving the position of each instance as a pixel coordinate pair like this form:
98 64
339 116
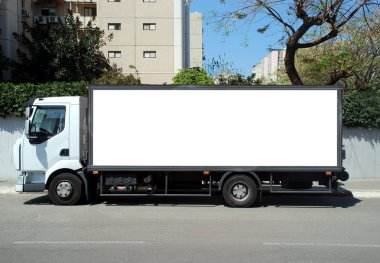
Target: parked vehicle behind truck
182 141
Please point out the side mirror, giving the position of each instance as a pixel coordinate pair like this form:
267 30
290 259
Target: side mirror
28 112
28 131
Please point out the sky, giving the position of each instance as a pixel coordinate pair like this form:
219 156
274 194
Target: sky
232 48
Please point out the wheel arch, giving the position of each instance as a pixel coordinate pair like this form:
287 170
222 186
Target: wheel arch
79 174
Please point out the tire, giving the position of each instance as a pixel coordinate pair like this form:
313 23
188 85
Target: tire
239 191
65 189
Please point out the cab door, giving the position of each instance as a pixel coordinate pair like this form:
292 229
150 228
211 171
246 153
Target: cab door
48 140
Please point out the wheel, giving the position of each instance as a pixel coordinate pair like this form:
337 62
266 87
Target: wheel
65 189
239 191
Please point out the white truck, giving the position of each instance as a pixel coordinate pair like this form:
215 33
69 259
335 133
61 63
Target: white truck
182 141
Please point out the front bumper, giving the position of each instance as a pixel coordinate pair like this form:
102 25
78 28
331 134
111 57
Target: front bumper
30 182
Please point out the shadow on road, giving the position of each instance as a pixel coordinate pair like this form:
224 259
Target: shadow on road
41 200
268 200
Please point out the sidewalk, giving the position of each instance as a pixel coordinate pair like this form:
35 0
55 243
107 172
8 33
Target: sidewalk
360 188
363 188
7 187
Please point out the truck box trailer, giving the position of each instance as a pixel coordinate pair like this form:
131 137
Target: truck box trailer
182 141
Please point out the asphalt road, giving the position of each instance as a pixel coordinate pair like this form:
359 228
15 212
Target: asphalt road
282 229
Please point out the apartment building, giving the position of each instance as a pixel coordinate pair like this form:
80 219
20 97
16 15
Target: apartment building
196 40
267 68
12 14
153 36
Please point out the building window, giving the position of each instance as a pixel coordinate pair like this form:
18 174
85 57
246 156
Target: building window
48 12
90 11
149 1
149 26
114 54
114 26
149 54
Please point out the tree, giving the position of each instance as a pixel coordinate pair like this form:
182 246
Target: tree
352 58
192 76
115 76
325 19
63 52
224 73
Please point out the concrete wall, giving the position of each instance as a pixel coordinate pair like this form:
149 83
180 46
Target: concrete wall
362 153
362 150
11 129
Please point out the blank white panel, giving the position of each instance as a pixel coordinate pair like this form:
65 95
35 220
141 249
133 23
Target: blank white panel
215 127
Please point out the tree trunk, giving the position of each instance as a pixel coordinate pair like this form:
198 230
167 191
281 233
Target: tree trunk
290 67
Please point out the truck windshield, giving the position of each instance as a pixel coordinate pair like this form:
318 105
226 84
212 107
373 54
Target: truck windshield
48 121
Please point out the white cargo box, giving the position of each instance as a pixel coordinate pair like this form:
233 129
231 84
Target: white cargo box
214 128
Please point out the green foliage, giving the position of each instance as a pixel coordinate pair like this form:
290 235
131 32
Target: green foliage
12 96
224 73
238 80
115 76
361 109
193 76
66 51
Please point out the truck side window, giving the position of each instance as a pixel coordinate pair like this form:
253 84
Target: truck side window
48 121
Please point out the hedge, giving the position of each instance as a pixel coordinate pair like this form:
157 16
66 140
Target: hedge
12 96
360 109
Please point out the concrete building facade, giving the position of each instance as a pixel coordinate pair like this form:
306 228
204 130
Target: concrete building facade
196 40
267 68
152 36
12 14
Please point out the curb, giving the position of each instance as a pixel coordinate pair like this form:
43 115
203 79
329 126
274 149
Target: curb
9 190
366 194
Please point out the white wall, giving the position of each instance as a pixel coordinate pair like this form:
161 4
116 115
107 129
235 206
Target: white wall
11 129
362 150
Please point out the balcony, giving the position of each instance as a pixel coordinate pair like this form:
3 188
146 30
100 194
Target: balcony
85 20
44 20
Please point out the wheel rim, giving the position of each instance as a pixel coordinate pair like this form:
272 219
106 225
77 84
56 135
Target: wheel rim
64 189
240 192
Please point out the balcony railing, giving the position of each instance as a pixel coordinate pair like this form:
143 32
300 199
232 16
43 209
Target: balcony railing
80 1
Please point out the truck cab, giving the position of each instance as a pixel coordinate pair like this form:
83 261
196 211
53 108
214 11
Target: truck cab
51 144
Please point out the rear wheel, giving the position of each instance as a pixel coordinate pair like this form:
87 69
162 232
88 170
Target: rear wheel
239 191
65 189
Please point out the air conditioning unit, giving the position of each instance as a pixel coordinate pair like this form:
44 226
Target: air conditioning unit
42 20
53 19
24 13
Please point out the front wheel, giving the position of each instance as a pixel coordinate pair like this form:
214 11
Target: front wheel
65 189
239 191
